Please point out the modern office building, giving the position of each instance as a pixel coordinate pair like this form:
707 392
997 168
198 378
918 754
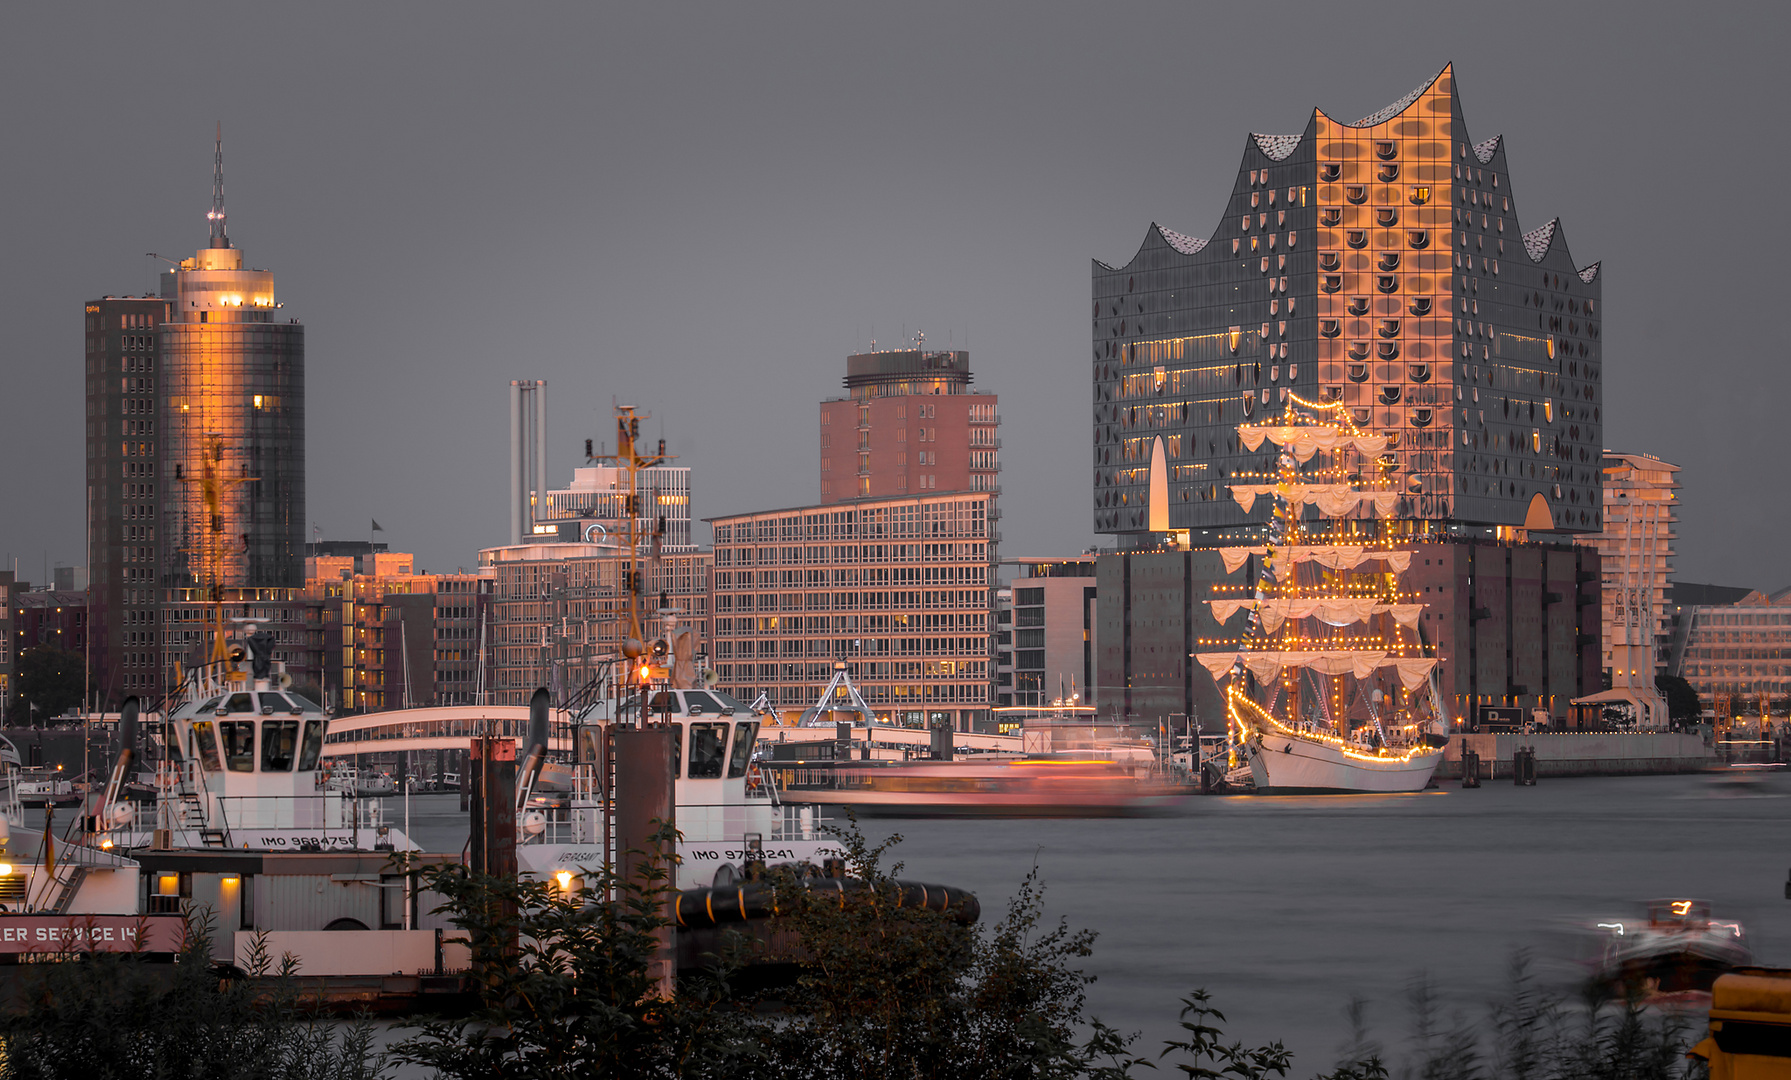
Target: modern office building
1379 267
900 589
126 486
593 508
1737 655
909 424
1380 264
1044 632
1635 549
195 464
391 637
559 611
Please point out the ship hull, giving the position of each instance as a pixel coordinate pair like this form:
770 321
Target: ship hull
1287 765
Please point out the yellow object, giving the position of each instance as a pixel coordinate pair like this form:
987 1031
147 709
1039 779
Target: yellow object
1750 1026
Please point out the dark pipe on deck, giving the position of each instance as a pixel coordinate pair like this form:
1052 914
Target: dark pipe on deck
534 747
743 901
127 746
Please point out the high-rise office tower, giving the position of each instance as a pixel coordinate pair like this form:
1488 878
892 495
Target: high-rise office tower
910 424
125 484
1378 264
195 466
233 447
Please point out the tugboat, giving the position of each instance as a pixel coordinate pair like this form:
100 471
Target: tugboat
1674 958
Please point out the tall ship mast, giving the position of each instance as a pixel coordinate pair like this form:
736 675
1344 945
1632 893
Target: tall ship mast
1328 683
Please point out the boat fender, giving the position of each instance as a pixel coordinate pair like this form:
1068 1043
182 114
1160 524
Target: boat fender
740 902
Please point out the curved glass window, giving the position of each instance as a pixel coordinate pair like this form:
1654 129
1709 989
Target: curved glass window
1330 171
239 744
1421 417
1389 328
1358 350
1387 283
1358 373
1386 150
1330 260
279 745
205 745
1389 395
1386 217
1332 282
1389 260
1420 305
1329 328
1358 306
1418 372
745 733
1331 216
1356 193
1417 239
708 747
1357 238
1388 173
313 746
1388 350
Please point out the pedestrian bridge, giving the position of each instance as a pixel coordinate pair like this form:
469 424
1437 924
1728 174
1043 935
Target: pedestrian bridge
441 727
453 727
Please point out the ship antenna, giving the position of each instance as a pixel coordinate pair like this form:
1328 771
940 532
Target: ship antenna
219 239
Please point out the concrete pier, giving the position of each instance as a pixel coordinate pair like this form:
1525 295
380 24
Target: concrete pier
1581 753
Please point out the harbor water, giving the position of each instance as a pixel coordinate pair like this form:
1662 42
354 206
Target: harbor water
1286 908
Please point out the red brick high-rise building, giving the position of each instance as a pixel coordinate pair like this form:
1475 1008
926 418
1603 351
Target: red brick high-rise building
910 425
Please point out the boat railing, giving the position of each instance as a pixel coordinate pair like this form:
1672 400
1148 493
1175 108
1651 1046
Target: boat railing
583 824
327 811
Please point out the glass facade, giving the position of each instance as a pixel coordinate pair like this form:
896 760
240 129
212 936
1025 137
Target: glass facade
1379 264
234 422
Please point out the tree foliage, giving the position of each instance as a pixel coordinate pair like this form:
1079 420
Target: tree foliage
1682 699
119 1016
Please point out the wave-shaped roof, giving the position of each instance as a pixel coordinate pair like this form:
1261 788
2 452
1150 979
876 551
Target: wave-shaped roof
1537 240
1277 147
1590 273
1485 150
1397 107
1187 245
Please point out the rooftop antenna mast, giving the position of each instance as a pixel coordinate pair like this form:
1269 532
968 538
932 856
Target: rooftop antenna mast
216 216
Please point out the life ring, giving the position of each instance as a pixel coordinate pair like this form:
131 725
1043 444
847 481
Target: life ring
752 777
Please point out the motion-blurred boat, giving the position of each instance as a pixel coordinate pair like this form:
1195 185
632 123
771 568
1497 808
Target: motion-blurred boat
1027 787
1672 957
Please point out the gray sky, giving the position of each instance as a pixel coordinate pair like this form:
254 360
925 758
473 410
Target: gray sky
703 210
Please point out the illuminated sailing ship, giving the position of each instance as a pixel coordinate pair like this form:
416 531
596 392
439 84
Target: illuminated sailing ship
1329 636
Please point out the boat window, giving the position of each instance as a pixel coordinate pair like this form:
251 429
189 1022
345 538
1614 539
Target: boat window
729 706
210 705
205 742
279 738
242 703
313 748
662 702
239 743
745 734
300 701
696 704
677 749
708 744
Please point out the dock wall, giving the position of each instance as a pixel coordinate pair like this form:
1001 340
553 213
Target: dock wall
1573 753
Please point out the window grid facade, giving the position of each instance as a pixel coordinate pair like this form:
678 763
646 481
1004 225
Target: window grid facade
900 589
